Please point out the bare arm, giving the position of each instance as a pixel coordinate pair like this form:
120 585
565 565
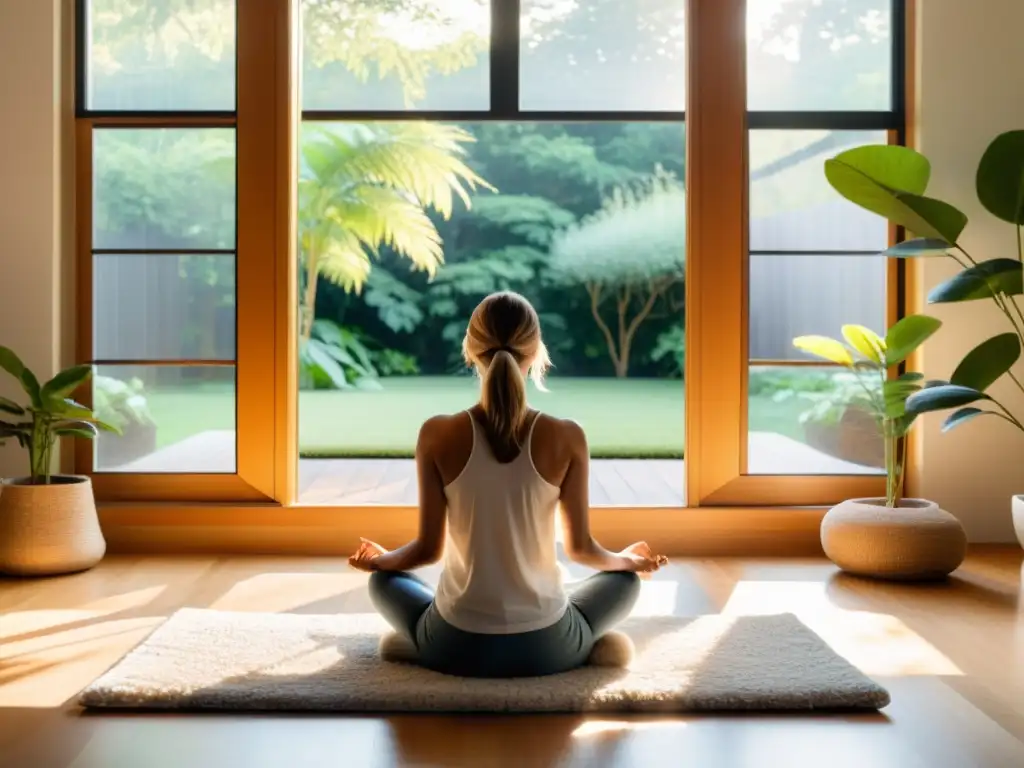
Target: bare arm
427 547
580 544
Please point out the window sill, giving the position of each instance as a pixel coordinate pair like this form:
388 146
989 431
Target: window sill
333 531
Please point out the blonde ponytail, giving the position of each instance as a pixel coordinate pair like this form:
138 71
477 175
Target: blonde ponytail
503 398
503 339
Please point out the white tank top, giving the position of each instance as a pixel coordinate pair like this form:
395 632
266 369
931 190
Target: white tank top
501 573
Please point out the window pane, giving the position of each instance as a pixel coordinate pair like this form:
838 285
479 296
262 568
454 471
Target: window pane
172 419
809 421
819 55
561 212
792 205
164 188
382 55
160 55
164 307
799 295
603 55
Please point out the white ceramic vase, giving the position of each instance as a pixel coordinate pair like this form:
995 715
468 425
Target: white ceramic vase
914 541
1018 518
49 529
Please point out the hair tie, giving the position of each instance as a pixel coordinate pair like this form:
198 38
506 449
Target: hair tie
495 350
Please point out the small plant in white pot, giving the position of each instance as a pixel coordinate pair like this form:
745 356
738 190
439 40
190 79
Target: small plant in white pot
48 523
892 537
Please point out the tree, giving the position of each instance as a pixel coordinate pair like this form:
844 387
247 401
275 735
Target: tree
180 54
833 55
631 252
367 186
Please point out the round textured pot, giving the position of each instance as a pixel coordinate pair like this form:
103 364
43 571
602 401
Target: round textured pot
49 529
1018 518
914 541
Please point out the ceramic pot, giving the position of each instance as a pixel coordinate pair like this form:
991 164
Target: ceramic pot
49 529
914 541
1018 518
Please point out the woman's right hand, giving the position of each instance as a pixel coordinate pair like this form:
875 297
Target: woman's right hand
639 558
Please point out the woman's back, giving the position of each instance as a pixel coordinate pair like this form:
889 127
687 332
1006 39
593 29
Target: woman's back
500 573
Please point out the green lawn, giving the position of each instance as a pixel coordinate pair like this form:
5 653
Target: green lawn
623 418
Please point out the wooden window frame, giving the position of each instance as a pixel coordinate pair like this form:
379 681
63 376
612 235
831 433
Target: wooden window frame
717 325
265 126
267 122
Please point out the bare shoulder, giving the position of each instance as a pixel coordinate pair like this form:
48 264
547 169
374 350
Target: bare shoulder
564 430
446 441
442 427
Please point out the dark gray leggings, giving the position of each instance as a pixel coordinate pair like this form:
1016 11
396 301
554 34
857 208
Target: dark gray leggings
595 606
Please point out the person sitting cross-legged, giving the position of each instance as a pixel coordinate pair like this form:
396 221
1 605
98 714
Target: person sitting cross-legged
490 482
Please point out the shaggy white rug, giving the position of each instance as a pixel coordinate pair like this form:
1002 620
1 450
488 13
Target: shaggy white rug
201 659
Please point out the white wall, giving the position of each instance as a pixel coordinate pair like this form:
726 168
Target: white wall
970 89
33 152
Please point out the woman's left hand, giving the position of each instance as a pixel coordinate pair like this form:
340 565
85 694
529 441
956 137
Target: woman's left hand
368 551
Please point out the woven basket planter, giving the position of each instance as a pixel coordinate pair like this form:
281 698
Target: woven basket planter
49 529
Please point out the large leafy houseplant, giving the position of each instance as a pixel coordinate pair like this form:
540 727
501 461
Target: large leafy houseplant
49 414
891 182
883 393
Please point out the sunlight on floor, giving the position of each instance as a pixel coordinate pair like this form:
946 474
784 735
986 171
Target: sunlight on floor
601 728
876 643
281 592
44 669
657 598
17 623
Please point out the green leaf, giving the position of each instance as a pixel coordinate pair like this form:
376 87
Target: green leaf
68 408
919 247
825 348
898 168
885 189
895 394
67 381
76 432
865 341
77 424
11 363
9 406
981 281
943 397
962 416
910 376
330 367
30 384
1000 178
907 335
987 362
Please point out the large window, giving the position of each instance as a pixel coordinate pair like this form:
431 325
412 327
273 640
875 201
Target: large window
287 210
449 150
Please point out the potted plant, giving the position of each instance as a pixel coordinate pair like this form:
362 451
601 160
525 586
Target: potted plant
891 182
48 523
123 405
892 537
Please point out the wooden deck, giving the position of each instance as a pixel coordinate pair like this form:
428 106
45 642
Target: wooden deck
392 482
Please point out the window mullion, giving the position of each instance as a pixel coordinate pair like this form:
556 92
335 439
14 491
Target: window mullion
505 36
716 185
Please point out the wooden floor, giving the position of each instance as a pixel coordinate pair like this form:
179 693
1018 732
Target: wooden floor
952 655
